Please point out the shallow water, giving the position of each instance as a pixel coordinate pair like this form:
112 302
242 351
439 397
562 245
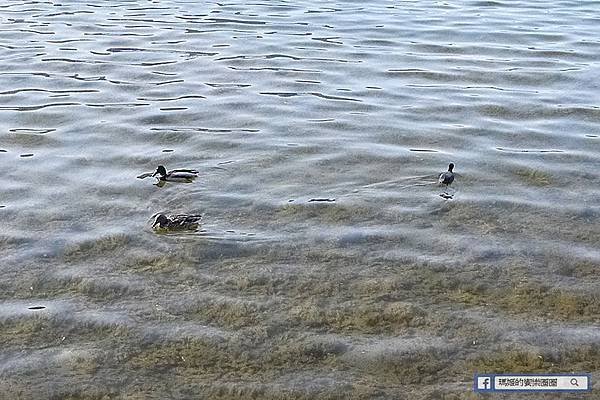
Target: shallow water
390 291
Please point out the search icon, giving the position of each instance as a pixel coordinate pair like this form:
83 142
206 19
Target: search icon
574 382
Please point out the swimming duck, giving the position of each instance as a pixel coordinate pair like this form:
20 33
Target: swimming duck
176 175
176 222
446 178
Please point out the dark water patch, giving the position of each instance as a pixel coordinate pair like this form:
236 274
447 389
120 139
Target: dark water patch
35 108
281 69
219 85
168 82
62 41
29 31
164 73
26 155
328 40
34 131
71 91
508 150
488 4
118 34
155 63
235 21
36 307
174 108
116 105
71 60
190 96
202 129
267 56
280 94
322 120
415 72
329 97
87 78
423 150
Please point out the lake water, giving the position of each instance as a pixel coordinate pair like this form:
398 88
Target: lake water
389 292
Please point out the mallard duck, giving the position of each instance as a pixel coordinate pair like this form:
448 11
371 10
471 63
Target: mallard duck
176 175
446 178
176 222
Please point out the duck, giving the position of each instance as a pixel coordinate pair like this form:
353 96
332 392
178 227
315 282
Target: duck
176 222
175 175
446 178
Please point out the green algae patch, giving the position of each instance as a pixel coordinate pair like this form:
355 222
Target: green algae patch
537 300
204 355
515 361
41 332
533 177
579 269
103 289
332 213
305 351
358 316
211 355
97 247
229 313
100 290
585 357
157 264
412 366
552 302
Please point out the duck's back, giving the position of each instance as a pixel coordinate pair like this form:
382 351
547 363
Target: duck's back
180 176
446 178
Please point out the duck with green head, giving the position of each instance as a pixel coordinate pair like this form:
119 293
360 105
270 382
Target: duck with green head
175 175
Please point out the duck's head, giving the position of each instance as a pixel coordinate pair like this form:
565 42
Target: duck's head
160 219
161 170
450 167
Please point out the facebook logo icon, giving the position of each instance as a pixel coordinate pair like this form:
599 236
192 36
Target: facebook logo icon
484 383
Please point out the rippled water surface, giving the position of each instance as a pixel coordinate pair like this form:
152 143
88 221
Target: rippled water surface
390 290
